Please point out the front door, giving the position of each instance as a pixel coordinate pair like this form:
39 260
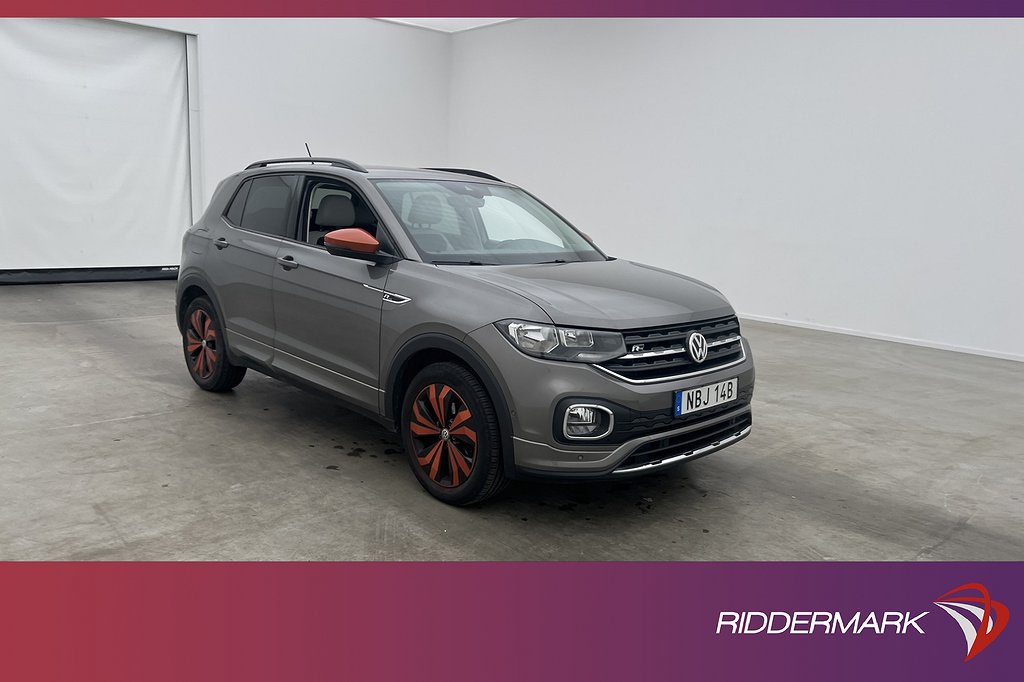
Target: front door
327 309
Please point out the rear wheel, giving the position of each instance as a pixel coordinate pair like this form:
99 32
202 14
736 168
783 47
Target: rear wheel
450 432
203 342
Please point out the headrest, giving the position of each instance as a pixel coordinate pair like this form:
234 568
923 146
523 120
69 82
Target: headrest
336 211
426 210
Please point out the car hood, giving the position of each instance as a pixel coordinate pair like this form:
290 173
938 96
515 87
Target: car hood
612 294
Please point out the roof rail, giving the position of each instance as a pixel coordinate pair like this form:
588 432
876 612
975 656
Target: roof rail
468 171
340 163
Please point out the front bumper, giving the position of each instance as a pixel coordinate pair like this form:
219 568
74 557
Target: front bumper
646 437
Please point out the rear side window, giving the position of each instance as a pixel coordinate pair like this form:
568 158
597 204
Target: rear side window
265 205
234 214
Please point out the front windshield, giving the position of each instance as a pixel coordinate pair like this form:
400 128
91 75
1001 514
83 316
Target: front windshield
472 223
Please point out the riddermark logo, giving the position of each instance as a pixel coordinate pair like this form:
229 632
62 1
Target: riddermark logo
992 616
962 603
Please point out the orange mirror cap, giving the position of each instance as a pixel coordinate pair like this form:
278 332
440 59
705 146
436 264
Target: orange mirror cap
352 238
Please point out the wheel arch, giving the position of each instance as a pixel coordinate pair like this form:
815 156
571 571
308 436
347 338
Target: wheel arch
190 287
431 348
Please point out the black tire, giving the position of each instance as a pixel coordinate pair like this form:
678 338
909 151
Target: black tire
205 350
465 436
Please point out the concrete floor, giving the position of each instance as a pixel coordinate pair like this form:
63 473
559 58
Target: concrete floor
861 450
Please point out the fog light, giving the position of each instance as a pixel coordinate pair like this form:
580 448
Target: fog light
587 422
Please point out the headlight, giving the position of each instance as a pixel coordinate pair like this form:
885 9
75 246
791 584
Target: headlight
560 343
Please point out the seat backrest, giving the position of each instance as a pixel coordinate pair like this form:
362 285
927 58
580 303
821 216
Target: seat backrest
430 241
335 212
426 210
338 211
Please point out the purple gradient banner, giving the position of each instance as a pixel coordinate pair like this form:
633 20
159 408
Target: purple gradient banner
521 8
509 621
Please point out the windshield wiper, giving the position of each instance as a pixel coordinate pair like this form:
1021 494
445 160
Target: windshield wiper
460 262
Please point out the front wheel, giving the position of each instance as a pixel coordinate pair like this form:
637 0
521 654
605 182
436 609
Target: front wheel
205 354
450 432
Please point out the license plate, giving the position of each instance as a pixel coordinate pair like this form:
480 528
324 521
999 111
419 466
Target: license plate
696 399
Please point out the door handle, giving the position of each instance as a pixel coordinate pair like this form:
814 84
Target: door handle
287 262
221 243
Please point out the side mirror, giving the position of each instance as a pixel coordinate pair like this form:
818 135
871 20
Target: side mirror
355 242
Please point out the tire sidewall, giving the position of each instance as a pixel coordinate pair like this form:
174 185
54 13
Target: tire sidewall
223 365
484 421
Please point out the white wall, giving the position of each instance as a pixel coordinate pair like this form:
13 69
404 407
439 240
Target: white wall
368 90
866 175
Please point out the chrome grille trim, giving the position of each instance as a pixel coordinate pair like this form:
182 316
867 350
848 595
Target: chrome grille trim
673 351
655 380
662 353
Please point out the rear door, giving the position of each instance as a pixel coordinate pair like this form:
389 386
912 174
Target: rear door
327 309
246 243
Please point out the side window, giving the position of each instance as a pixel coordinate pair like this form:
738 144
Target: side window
332 206
268 205
234 214
315 231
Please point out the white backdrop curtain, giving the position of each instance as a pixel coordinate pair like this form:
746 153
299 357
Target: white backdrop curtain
94 167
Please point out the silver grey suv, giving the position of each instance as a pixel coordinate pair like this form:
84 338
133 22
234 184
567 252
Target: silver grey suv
498 340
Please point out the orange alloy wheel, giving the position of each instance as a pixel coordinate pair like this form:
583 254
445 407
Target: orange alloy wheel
445 442
201 340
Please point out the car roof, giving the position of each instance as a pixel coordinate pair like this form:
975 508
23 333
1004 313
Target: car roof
349 169
395 172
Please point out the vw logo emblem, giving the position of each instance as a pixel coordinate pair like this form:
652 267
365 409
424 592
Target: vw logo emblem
698 346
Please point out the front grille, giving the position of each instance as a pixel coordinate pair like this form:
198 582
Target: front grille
685 443
674 338
635 424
